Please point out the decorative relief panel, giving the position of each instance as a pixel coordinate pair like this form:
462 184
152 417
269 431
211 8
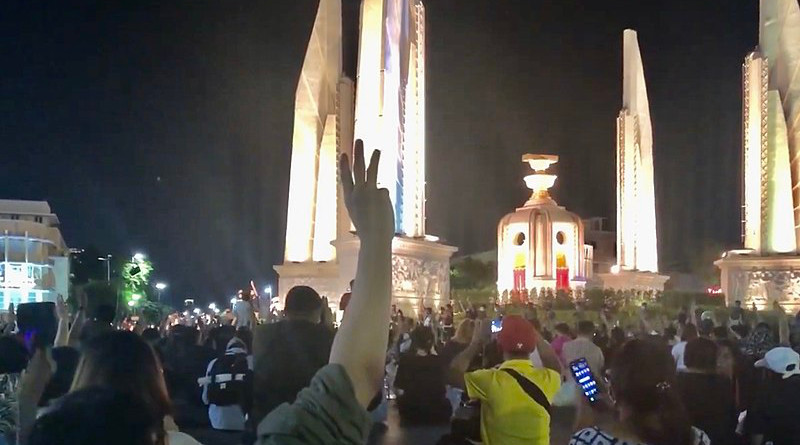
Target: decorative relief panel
762 286
425 279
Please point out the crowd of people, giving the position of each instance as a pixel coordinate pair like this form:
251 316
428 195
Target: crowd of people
499 375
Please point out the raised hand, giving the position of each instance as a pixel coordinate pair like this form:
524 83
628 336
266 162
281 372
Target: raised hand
370 208
61 308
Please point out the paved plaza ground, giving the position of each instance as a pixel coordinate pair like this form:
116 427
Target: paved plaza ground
393 434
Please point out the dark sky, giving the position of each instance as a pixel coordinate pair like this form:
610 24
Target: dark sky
166 126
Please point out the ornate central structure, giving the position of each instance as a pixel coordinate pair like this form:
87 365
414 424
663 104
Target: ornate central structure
388 114
540 245
768 268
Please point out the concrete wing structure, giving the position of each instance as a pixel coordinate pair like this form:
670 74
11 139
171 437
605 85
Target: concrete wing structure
390 103
771 124
637 247
322 129
321 250
768 268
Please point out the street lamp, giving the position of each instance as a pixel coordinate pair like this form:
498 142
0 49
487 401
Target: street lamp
268 290
138 256
160 287
107 260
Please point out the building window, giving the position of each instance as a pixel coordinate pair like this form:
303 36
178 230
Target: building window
15 217
38 219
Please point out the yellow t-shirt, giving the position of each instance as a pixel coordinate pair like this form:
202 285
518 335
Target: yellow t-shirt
508 415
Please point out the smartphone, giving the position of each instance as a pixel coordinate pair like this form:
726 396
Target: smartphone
497 325
37 323
585 379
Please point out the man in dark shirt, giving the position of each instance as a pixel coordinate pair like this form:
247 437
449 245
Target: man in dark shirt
288 353
707 396
775 412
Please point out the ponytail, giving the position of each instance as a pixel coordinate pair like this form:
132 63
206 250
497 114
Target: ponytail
643 378
667 423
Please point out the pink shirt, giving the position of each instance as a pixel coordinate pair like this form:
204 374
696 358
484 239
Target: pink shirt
558 345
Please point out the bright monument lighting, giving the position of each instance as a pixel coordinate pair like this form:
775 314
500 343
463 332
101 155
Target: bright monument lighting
636 208
131 303
161 286
138 256
136 297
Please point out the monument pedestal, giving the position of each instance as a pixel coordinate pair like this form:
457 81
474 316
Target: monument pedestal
762 280
420 273
633 280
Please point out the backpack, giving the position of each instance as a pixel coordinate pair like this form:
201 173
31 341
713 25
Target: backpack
230 380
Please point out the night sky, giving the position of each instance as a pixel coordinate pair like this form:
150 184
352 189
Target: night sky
166 126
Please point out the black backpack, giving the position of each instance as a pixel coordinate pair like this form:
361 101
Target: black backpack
231 380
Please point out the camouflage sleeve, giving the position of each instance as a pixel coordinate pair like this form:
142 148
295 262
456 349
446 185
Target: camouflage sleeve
325 412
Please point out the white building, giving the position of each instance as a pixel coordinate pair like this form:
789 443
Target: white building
540 245
34 260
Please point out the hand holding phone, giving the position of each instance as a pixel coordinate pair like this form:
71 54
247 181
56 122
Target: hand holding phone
585 379
38 324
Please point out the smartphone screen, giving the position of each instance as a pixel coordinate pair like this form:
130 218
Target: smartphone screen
585 379
37 323
497 325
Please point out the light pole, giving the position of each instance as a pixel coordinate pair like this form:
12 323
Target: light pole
160 287
107 260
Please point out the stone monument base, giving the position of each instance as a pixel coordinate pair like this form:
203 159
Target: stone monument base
420 273
633 280
760 280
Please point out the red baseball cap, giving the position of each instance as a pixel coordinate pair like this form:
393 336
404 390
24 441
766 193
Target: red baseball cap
517 335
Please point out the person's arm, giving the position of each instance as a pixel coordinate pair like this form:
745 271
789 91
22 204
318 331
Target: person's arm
62 313
548 355
360 345
32 386
460 363
80 319
783 326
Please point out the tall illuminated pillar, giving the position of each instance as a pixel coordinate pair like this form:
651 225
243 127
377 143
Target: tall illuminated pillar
390 103
768 268
637 247
387 111
321 130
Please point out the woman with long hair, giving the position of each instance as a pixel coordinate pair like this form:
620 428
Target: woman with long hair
122 361
643 397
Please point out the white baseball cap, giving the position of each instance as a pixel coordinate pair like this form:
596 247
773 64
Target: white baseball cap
782 360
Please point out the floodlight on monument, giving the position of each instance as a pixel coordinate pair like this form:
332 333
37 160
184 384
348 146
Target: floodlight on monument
161 286
138 256
131 303
136 297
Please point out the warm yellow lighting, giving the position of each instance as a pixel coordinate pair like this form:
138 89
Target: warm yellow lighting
539 163
325 216
315 101
755 130
540 182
